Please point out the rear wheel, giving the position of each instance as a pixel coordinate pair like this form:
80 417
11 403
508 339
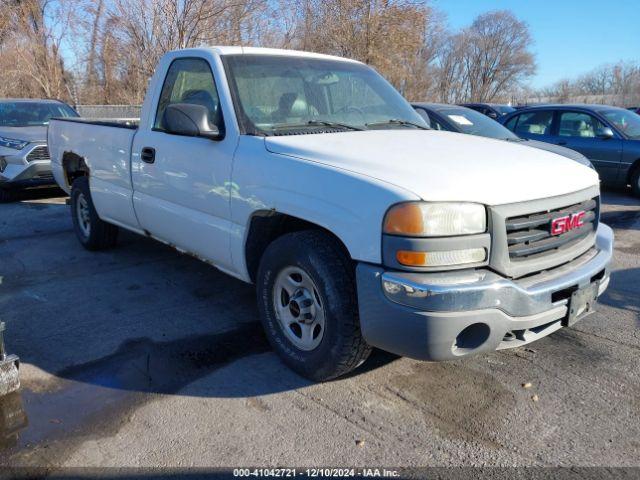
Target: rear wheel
308 306
92 232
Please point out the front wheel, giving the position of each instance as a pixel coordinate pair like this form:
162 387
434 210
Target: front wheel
92 232
308 306
635 182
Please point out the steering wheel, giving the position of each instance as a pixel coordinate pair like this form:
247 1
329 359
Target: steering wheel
349 109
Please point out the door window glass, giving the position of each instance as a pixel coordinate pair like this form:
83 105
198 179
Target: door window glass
578 124
511 124
534 123
189 80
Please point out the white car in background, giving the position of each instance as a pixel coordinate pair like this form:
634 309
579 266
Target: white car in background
24 156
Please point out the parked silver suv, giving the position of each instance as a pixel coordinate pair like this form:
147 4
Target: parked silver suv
24 156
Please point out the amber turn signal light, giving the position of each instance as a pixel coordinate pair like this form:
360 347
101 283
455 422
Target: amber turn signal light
404 219
411 259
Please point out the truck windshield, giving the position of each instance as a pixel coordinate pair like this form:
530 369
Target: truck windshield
286 94
30 114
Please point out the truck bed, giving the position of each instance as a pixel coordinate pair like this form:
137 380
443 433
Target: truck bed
105 147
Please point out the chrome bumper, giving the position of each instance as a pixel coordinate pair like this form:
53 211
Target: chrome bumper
442 316
481 289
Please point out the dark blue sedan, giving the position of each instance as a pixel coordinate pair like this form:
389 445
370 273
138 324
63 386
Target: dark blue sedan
608 136
455 118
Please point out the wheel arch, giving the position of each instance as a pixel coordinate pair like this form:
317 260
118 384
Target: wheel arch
635 166
73 166
265 226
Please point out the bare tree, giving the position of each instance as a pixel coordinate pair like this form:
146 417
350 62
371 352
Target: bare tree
615 84
397 37
497 55
486 61
32 59
116 44
450 84
136 33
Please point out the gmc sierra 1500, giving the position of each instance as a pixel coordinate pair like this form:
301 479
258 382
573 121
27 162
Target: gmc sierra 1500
311 177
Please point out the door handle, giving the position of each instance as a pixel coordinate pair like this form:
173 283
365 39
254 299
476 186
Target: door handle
561 143
148 155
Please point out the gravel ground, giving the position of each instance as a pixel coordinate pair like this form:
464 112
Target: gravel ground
141 356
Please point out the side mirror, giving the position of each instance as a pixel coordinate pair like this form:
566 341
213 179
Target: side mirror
605 133
493 115
191 120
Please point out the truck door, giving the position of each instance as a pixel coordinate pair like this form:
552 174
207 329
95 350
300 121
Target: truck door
180 183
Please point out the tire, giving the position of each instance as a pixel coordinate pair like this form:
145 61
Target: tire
92 232
7 195
337 347
635 182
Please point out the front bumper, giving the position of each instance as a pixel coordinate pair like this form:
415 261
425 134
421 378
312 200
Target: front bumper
20 172
443 316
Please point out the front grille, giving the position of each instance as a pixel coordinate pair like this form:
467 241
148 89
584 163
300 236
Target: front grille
38 153
530 236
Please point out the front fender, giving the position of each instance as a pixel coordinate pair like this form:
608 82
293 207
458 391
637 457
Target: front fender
350 205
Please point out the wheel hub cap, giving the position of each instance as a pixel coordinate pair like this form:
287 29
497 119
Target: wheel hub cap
298 308
301 306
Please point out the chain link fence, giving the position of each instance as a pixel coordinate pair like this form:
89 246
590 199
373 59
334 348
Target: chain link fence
109 111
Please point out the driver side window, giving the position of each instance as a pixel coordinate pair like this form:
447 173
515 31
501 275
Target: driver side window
533 123
579 124
189 80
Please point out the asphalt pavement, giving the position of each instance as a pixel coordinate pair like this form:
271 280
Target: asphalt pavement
141 356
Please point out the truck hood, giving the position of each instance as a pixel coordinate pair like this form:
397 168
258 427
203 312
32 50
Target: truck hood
560 150
443 166
37 134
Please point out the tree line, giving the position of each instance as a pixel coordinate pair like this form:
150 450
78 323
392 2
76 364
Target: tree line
104 51
616 84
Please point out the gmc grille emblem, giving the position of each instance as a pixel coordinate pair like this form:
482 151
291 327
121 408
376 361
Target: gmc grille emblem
567 223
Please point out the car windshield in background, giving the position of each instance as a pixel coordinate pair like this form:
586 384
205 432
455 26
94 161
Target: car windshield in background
31 114
475 123
504 109
625 121
279 94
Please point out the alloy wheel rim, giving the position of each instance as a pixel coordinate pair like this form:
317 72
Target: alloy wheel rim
298 308
82 215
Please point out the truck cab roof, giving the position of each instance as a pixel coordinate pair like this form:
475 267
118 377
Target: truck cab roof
239 50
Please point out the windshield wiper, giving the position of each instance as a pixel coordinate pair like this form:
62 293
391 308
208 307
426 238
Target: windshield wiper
396 121
317 123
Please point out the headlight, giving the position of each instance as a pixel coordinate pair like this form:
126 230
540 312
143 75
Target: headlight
13 143
421 219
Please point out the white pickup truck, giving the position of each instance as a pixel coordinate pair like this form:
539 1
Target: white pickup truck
311 177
